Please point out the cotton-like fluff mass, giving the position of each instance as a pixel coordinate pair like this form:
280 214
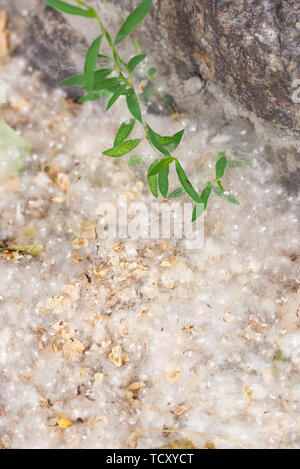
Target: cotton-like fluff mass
133 343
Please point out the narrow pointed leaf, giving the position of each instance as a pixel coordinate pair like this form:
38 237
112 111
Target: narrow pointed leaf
124 131
133 104
186 184
70 9
160 165
101 74
153 180
170 143
133 20
79 80
105 57
134 160
197 212
80 2
138 46
135 61
163 181
90 62
107 84
93 96
225 195
176 193
75 80
121 90
221 165
206 194
123 148
153 136
151 71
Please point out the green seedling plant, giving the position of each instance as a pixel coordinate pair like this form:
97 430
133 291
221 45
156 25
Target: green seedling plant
117 81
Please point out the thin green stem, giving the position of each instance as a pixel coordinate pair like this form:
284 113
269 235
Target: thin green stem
117 59
160 93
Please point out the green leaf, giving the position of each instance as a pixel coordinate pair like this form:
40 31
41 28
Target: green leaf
134 160
135 61
225 195
170 143
93 96
80 2
155 140
70 9
90 62
101 74
133 20
197 212
206 194
105 57
138 46
220 185
163 181
221 165
151 71
153 180
124 131
176 193
123 148
186 184
79 80
107 84
75 80
133 104
121 90
160 165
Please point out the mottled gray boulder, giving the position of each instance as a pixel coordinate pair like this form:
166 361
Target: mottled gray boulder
205 50
47 41
251 48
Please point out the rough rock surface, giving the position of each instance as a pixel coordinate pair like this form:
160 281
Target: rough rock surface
245 49
250 48
47 41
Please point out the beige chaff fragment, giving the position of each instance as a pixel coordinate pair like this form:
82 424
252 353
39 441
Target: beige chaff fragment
249 394
72 348
181 409
72 291
59 304
79 243
118 356
172 373
63 182
101 272
167 282
63 422
136 386
98 377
